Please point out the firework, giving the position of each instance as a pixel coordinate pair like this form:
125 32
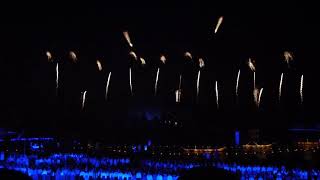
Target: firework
251 64
198 83
201 65
73 56
218 24
107 86
143 62
237 84
178 95
133 54
301 89
57 77
288 56
178 92
130 81
253 69
188 55
99 65
127 37
83 98
163 59
49 56
156 83
217 94
259 98
257 93
280 86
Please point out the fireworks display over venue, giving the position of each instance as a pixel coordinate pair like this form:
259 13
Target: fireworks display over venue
133 87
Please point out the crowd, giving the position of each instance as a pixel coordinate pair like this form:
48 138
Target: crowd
75 166
268 172
80 166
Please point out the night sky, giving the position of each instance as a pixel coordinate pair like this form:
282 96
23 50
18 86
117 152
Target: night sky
94 31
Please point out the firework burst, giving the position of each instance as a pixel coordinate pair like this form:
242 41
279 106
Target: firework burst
220 20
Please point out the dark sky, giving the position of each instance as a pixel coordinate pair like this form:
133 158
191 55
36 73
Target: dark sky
260 31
